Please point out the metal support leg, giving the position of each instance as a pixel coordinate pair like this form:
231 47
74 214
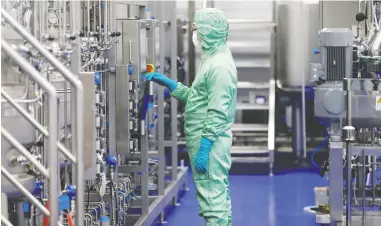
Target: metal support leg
4 206
336 182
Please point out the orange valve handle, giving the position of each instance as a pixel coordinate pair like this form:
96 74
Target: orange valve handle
150 68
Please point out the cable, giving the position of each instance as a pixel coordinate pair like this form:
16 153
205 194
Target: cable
321 145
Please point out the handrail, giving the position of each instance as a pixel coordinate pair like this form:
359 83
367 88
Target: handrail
5 221
25 192
77 107
52 126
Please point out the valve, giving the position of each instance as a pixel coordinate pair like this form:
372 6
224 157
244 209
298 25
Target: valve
150 68
97 78
111 160
71 191
130 69
37 188
115 34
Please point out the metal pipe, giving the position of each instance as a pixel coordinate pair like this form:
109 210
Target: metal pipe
59 5
5 221
77 108
363 187
23 112
349 138
374 168
25 192
4 206
52 124
64 23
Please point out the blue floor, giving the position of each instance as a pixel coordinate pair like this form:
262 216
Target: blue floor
259 201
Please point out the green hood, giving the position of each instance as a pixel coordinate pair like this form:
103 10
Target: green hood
212 27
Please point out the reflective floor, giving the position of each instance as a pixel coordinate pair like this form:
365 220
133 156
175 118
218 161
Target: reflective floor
259 201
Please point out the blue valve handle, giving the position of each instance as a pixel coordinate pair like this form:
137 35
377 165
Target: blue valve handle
71 191
111 160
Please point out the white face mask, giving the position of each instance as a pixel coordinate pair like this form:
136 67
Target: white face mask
196 43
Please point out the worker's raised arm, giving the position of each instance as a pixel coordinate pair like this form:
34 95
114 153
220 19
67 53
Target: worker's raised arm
178 90
221 88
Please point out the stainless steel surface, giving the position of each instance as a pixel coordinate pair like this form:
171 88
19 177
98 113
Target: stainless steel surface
87 79
249 127
348 146
4 206
336 182
349 133
249 150
25 153
296 40
375 44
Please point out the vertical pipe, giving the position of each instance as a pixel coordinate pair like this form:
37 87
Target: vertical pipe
4 206
59 6
191 50
88 19
363 159
160 134
53 160
174 120
373 163
303 91
64 23
374 179
20 212
204 3
347 83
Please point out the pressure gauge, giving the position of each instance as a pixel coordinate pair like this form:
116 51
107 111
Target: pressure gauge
53 18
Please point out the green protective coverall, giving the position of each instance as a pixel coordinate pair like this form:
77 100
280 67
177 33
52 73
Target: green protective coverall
209 112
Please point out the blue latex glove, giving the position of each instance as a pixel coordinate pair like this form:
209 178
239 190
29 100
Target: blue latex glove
161 80
202 158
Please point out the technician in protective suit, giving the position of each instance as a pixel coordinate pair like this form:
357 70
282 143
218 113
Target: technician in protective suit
209 115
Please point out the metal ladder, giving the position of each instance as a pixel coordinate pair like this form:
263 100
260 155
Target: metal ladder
266 152
49 172
258 151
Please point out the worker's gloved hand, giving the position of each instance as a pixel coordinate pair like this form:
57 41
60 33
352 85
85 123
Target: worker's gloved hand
161 80
202 158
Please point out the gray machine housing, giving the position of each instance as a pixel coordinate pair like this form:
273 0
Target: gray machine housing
336 64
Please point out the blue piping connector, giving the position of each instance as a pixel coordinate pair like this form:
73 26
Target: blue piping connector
97 79
64 202
104 219
37 188
130 69
111 160
71 191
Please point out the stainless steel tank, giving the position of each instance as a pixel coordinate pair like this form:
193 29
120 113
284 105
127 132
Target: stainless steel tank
297 35
13 82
